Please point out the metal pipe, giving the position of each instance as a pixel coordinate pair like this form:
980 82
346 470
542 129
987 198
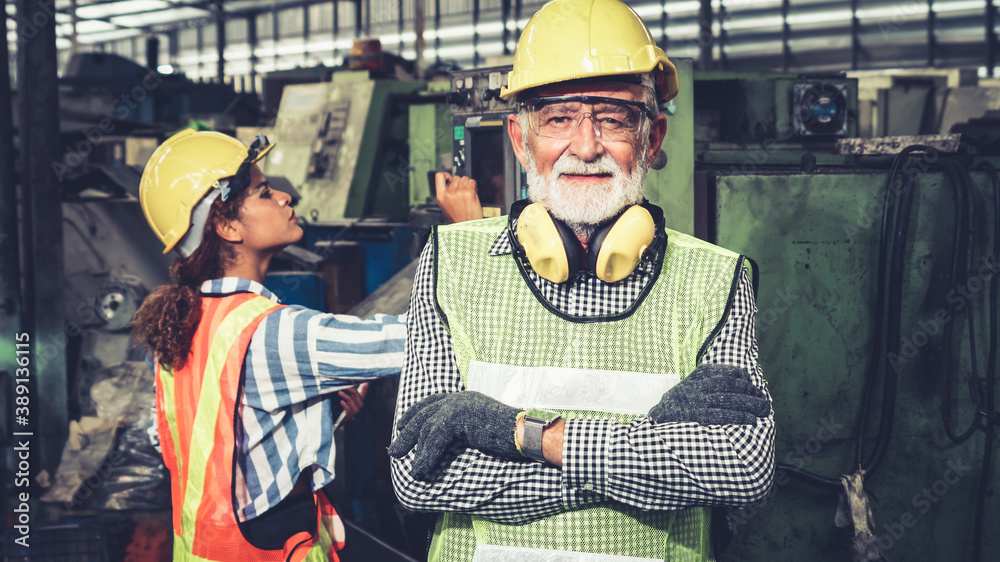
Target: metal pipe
931 35
74 43
437 30
336 28
505 16
252 43
357 18
305 34
41 234
475 33
10 273
705 37
855 40
991 37
786 32
664 19
399 24
152 52
220 40
420 23
723 16
517 18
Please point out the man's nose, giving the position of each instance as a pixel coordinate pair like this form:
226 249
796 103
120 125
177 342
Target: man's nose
586 143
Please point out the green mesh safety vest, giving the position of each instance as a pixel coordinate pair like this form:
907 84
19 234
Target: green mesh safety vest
495 318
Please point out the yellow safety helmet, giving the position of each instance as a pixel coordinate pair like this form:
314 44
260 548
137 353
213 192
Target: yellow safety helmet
182 170
573 39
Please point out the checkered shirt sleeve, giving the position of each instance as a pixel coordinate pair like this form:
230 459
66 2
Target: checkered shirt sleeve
652 466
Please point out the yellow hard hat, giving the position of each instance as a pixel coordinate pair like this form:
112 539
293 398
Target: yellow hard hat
182 170
573 39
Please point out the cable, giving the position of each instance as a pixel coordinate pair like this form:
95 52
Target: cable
888 398
990 404
895 314
965 227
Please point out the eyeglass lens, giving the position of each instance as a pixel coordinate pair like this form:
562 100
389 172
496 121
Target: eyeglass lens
562 119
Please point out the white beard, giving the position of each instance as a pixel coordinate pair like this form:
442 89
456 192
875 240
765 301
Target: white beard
585 208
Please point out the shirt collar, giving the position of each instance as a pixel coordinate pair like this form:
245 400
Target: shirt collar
231 285
501 245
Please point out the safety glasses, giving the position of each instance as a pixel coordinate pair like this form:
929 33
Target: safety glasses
241 179
560 117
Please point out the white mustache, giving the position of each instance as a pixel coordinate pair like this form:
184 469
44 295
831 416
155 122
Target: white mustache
569 164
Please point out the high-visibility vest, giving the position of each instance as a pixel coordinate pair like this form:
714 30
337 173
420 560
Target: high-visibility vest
196 409
515 345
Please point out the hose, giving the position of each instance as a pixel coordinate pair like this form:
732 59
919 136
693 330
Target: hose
875 360
960 277
990 404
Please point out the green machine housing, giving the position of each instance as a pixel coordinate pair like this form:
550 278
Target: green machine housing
343 145
809 211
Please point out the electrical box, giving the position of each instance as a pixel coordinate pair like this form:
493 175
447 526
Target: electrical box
481 148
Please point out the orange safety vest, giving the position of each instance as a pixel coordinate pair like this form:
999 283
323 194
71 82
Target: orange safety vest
197 405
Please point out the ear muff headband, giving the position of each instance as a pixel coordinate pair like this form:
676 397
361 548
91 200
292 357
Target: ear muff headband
554 252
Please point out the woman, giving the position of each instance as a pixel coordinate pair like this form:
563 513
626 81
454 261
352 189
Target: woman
244 385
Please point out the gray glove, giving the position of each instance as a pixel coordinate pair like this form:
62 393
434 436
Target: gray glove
469 418
713 395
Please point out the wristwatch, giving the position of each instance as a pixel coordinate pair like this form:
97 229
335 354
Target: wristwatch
535 422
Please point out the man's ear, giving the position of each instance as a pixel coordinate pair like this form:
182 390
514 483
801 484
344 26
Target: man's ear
516 138
227 230
657 132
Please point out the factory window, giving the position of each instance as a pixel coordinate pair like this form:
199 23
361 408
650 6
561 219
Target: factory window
290 22
236 30
265 25
321 17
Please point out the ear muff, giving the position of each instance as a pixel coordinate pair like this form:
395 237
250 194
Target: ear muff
550 246
616 249
555 253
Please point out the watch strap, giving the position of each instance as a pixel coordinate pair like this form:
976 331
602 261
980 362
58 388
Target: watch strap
535 422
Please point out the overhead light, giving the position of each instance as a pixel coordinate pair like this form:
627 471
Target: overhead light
165 69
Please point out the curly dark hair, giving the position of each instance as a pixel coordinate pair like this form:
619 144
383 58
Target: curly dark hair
168 317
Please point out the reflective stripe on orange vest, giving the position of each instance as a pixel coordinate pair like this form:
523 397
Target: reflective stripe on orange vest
196 409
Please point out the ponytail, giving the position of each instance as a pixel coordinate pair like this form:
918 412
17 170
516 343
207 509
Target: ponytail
169 317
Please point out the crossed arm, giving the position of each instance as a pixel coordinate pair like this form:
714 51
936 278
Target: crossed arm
645 464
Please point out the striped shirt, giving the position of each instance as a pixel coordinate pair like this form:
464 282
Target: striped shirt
643 464
297 361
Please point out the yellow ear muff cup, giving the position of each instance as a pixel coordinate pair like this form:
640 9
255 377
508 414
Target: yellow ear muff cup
543 244
623 245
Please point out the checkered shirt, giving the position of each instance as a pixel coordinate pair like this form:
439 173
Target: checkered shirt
651 466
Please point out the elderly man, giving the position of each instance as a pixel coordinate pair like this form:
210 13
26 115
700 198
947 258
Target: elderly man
578 377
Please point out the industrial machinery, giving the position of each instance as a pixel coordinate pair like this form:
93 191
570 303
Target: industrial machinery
342 144
874 318
481 147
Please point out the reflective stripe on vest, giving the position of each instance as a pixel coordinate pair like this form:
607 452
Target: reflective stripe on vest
516 341
196 413
560 388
